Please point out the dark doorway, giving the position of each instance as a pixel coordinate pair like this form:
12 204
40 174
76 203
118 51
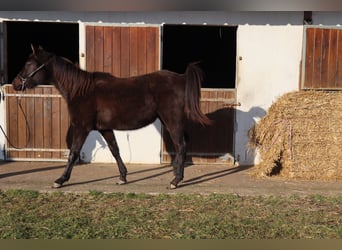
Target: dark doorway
213 46
59 38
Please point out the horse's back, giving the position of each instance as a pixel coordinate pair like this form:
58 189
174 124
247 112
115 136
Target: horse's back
130 103
157 83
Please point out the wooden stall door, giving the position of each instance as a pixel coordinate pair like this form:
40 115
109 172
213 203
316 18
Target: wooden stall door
214 143
322 67
37 121
122 51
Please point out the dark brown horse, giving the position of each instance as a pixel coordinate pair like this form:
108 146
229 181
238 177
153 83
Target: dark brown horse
100 101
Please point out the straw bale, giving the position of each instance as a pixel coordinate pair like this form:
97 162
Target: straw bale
301 137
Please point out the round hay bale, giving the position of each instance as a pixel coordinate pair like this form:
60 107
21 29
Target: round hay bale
301 137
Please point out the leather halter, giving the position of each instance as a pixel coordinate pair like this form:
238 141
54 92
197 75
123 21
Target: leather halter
24 79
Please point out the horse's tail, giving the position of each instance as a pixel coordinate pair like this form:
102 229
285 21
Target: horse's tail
194 79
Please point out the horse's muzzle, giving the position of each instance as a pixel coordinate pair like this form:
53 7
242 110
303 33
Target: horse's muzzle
18 84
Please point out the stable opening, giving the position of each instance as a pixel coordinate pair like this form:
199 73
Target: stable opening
61 39
213 46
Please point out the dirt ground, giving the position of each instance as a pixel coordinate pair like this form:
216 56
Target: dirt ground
154 179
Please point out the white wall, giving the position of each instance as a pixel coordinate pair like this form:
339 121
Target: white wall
269 67
136 146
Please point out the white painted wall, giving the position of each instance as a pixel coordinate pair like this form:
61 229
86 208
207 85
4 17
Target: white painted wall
136 146
269 67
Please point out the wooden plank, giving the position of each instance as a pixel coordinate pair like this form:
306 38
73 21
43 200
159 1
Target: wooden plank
39 122
90 48
156 48
30 109
47 123
207 135
229 122
124 52
99 48
332 68
116 51
317 61
56 124
22 126
338 81
152 42
205 138
12 123
218 138
31 124
65 121
309 57
325 58
133 51
142 51
107 49
217 135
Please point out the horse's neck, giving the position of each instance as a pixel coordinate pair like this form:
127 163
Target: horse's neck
62 76
69 79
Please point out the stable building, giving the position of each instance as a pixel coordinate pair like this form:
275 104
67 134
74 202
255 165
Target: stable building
249 60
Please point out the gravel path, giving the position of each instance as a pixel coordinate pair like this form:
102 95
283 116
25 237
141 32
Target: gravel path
154 179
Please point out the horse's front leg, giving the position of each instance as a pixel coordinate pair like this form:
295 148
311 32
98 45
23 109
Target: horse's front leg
109 136
69 136
78 139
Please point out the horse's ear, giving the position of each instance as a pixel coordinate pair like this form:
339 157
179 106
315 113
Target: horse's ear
35 49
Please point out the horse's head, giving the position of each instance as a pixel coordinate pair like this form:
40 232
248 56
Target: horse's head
35 70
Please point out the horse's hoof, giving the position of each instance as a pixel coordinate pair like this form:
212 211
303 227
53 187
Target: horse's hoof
56 185
172 186
121 182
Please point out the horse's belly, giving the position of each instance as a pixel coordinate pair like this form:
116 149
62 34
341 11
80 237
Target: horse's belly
108 119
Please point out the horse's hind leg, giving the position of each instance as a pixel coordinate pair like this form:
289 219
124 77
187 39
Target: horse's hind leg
109 136
178 140
78 138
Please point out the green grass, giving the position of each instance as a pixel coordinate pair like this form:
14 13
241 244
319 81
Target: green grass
57 215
